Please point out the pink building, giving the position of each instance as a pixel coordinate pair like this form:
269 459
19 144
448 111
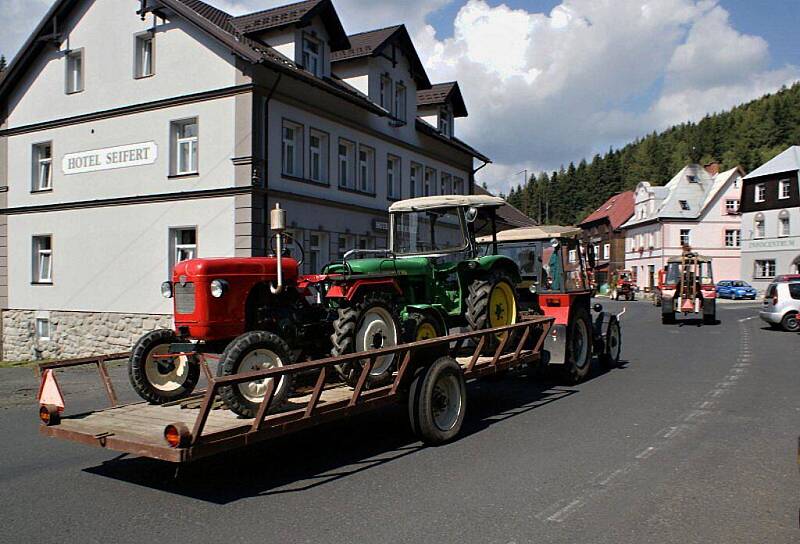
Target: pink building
699 207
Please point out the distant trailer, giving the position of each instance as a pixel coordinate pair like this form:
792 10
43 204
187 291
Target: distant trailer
431 379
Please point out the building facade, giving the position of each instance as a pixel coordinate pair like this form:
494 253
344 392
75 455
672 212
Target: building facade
699 208
771 220
137 134
601 230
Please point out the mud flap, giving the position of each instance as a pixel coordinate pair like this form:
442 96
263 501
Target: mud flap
554 351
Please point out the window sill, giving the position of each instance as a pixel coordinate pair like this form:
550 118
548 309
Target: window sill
306 180
784 198
41 283
356 191
183 176
37 191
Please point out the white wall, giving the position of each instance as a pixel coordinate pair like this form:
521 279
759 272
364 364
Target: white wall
186 61
216 126
111 259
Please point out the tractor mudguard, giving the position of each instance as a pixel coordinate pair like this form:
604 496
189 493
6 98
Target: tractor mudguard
349 290
555 345
490 262
436 310
600 331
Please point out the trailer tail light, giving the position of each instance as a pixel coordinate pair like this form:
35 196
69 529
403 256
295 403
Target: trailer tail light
49 414
177 435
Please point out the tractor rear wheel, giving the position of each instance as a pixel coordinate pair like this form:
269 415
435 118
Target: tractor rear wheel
159 380
254 350
579 347
371 323
492 303
612 348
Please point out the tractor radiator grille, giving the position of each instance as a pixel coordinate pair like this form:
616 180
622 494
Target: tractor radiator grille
184 298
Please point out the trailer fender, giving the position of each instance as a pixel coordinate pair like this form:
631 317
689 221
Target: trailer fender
554 351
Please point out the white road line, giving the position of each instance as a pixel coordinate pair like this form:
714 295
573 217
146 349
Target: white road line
645 453
564 513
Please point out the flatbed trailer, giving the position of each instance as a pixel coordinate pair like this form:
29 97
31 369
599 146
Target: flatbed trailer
197 427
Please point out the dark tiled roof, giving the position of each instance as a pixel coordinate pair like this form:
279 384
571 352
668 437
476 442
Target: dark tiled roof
441 93
212 14
616 210
507 213
275 17
373 42
425 128
364 43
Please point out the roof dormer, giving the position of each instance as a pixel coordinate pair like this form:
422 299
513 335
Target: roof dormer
440 105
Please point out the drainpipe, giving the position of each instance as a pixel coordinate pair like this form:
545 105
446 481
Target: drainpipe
266 118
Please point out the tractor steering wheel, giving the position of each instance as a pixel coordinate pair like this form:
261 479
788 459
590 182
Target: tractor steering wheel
296 242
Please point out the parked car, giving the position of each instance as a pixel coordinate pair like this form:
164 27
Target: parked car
782 303
735 289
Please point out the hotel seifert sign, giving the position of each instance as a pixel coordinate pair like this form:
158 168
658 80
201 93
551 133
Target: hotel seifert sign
109 158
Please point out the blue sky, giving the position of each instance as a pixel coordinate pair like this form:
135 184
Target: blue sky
552 81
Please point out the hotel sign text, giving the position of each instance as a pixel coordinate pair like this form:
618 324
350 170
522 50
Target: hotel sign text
110 158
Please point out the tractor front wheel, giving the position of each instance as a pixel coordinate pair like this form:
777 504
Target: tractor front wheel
161 379
613 345
371 323
254 350
492 303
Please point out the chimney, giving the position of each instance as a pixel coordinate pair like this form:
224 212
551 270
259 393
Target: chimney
712 168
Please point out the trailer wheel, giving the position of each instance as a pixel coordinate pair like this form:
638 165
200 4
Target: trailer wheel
492 303
369 324
438 401
579 347
161 380
612 348
254 350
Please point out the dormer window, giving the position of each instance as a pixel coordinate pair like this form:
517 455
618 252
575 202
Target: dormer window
400 101
386 92
445 122
311 55
74 82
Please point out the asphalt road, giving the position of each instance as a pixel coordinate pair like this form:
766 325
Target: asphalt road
692 439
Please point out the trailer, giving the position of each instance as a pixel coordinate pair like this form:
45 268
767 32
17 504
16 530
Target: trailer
431 379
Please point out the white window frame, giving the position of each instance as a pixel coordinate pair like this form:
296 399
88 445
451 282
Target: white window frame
429 184
42 328
40 165
394 177
318 156
316 251
760 192
784 224
607 252
733 238
400 101
415 180
179 141
732 206
346 162
764 269
366 169
784 189
177 247
386 92
446 183
759 227
144 46
295 143
445 122
458 185
687 234
74 84
311 60
42 273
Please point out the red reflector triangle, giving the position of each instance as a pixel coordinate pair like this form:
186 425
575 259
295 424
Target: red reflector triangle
49 390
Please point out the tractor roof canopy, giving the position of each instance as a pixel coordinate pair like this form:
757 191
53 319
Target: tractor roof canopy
541 232
446 201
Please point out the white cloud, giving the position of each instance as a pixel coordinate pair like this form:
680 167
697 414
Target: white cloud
25 14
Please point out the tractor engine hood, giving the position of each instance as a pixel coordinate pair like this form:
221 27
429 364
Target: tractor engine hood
226 267
405 266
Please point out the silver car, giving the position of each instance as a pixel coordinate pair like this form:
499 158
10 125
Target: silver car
782 304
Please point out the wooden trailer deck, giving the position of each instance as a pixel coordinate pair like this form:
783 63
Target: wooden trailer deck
139 428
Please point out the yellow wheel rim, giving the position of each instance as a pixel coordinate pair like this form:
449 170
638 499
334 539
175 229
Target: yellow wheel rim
502 305
426 331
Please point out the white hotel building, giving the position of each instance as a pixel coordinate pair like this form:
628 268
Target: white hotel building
134 133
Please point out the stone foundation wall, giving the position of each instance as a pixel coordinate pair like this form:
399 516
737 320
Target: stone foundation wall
74 334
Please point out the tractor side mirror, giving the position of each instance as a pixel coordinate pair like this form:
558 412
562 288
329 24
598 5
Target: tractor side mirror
591 256
471 214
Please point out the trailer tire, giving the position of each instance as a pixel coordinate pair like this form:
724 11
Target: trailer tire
156 381
579 348
612 347
374 314
438 401
498 289
254 350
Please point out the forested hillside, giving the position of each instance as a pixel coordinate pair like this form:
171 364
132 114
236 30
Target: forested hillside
748 135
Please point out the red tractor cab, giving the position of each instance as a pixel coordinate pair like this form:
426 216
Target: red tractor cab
251 313
555 283
688 288
623 284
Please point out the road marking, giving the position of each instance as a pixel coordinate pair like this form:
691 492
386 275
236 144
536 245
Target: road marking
716 393
562 514
674 431
645 453
705 405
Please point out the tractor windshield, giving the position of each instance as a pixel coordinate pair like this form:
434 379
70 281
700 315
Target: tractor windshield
673 275
427 232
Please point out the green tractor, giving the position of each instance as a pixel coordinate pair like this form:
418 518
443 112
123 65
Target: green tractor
430 279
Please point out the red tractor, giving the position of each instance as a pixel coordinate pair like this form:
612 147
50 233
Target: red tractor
257 312
688 288
555 283
623 285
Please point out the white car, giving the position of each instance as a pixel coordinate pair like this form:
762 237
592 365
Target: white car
781 308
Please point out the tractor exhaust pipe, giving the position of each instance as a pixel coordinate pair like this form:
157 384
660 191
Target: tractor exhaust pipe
277 223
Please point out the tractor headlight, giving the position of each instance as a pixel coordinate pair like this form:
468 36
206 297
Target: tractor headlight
166 289
533 289
218 288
